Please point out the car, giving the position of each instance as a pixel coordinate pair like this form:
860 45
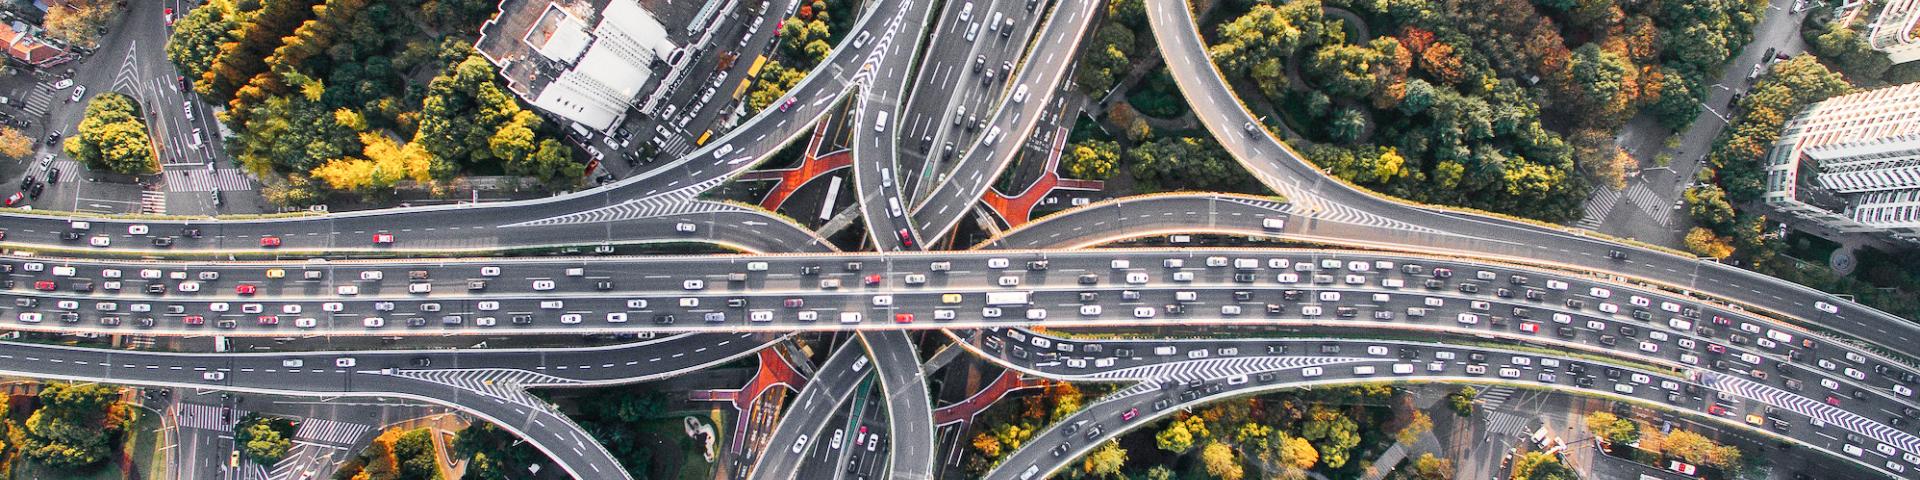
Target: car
16 199
383 239
1129 415
269 242
245 289
1826 307
786 104
79 92
685 227
100 241
213 376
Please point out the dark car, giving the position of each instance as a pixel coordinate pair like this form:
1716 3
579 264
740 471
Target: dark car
421 362
163 242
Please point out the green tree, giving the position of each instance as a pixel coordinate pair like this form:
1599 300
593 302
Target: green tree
1679 101
1106 461
1186 162
197 37
1106 59
1333 434
1612 429
492 454
1181 433
1429 467
1344 70
1093 159
1603 81
1419 425
1222 462
75 426
1256 44
1347 125
1541 466
1462 401
1844 45
113 136
262 443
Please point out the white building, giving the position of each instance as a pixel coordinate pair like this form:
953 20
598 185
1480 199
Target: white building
1852 163
583 62
1892 31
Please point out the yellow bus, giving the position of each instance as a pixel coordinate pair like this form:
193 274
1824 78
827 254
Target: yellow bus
742 89
754 71
703 138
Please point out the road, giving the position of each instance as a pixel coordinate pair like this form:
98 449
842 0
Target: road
1175 383
1136 217
909 408
1339 212
875 149
807 415
1041 74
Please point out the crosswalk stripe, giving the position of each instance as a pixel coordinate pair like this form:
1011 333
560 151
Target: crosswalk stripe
206 417
194 179
1599 204
330 432
153 202
1644 197
39 101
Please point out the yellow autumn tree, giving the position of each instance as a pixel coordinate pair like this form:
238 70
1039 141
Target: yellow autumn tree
383 163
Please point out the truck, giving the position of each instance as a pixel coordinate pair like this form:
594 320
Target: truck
1005 299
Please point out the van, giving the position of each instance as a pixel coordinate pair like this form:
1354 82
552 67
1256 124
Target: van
879 119
893 206
1363 370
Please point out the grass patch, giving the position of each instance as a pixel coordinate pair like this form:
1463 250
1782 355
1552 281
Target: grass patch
143 444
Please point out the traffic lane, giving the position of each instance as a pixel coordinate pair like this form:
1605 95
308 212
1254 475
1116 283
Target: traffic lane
1220 111
909 407
1123 219
943 80
961 270
563 441
807 414
1043 74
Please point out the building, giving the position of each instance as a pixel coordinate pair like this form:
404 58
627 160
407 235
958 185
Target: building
583 60
1852 163
27 49
1892 31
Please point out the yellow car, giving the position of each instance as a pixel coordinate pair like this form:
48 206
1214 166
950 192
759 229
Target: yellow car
951 298
276 273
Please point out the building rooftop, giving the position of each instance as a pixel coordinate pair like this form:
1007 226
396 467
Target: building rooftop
585 60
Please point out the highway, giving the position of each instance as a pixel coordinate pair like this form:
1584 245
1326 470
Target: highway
1145 216
1341 213
960 83
807 415
874 148
909 408
486 383
1179 380
1041 74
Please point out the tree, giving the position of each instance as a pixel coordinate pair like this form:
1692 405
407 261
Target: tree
987 445
1093 159
113 136
75 426
1692 448
1612 429
1256 44
1347 125
1344 70
1429 467
14 144
198 35
1541 466
1160 472
1186 162
1679 100
1333 434
261 443
1708 206
1462 401
1843 45
1419 425
1105 461
1604 81
79 22
1181 433
1222 462
492 453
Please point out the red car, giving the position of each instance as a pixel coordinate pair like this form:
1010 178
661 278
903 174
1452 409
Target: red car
383 239
269 242
269 320
194 320
873 279
1529 327
16 198
45 286
906 238
1129 415
1833 400
1716 410
786 105
903 318
245 289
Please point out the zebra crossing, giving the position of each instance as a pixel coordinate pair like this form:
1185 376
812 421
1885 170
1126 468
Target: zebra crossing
331 432
252 471
504 384
1644 197
206 417
674 146
197 179
1795 403
1494 397
305 460
69 169
39 101
1598 205
1499 423
153 202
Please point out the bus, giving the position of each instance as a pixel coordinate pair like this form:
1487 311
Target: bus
703 138
754 71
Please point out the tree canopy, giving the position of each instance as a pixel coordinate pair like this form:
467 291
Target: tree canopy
113 136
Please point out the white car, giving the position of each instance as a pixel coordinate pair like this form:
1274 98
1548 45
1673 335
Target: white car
372 275
100 241
1826 307
1143 312
373 322
694 284
346 290
1090 310
306 322
419 287
213 376
345 362
542 285
1649 347
489 271
1311 372
990 312
684 227
136 229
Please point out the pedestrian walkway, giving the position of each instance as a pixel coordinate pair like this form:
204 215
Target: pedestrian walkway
812 165
206 417
39 101
1598 205
962 412
1644 197
153 202
330 432
69 170
199 179
1501 423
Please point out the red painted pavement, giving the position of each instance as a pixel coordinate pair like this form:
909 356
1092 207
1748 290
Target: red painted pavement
1007 382
1018 210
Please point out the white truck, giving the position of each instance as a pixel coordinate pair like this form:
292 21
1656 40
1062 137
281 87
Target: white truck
1007 299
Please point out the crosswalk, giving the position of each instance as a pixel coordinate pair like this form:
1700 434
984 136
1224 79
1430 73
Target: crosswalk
1598 205
1500 423
153 202
199 179
504 384
39 101
318 430
1494 397
206 417
69 169
1652 203
674 146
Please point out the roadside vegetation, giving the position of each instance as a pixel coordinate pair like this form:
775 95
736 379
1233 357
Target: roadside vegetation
72 431
806 39
1506 105
324 96
396 454
113 136
264 439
